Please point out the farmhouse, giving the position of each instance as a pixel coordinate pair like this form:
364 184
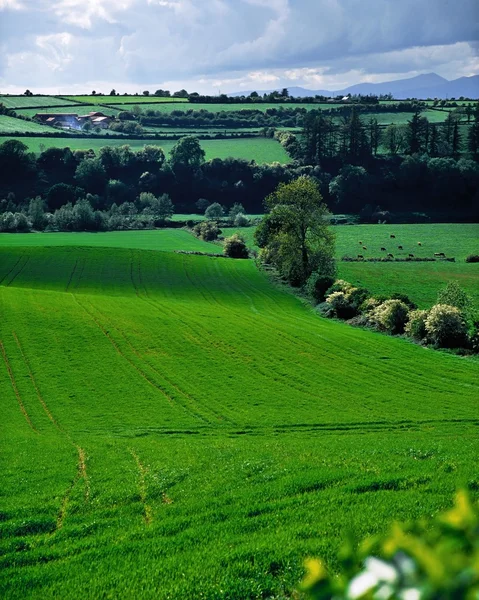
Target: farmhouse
73 120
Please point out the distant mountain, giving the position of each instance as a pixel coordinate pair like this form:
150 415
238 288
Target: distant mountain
429 85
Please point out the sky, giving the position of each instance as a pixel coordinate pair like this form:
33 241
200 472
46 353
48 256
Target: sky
207 46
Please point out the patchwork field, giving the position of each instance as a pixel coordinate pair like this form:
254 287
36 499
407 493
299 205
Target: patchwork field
79 109
125 99
175 427
261 150
12 125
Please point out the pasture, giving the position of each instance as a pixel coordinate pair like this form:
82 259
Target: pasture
33 101
175 427
125 100
419 280
13 125
261 150
79 109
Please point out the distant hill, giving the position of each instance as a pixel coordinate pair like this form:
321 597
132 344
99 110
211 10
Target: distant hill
429 85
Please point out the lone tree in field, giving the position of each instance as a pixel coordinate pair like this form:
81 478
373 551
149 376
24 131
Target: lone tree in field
295 236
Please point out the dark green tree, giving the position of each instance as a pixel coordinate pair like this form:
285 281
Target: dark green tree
187 152
294 235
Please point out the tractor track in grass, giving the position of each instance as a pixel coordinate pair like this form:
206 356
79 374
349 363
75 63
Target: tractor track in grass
145 376
34 383
142 488
12 268
18 272
15 388
72 274
81 474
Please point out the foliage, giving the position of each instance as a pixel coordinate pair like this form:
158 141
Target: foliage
446 326
207 231
296 231
187 152
235 246
422 560
454 295
416 325
214 211
241 220
91 175
317 286
391 316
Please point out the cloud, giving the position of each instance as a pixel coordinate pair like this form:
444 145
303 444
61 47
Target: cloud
310 42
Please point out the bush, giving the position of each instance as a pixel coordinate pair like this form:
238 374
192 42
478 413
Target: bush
340 286
446 326
241 220
424 560
472 258
397 296
317 286
341 305
416 326
214 211
207 231
235 246
391 316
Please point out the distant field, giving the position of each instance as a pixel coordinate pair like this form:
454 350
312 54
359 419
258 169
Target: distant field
167 108
126 99
22 101
13 125
261 150
420 281
79 109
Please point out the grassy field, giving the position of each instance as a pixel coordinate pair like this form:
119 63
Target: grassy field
39 101
420 281
13 125
152 448
126 99
79 109
261 150
167 108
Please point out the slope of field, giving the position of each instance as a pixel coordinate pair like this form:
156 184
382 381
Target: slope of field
174 427
261 150
13 125
25 101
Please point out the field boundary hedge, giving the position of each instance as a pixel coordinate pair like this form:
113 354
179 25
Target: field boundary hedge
397 259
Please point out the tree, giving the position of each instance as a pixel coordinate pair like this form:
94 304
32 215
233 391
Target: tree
113 92
416 133
235 210
28 93
214 211
473 138
202 204
91 175
295 236
36 212
146 93
235 246
187 152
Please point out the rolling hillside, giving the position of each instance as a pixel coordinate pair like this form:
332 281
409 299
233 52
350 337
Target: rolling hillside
175 427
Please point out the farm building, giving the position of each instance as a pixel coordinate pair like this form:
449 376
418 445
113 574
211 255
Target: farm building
73 120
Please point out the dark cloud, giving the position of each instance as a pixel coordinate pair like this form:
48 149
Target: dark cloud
146 41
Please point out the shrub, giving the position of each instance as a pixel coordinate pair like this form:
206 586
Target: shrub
207 231
416 326
454 295
391 316
235 246
446 327
427 560
340 286
241 220
317 285
341 305
357 297
472 258
214 211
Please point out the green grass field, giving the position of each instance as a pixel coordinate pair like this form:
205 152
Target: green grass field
175 427
13 125
420 281
126 99
261 150
39 101
79 109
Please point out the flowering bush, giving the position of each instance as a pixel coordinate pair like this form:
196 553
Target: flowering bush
390 316
446 326
420 561
416 326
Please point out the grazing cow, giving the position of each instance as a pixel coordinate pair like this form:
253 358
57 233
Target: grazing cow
383 249
392 236
364 248
360 242
411 255
360 256
399 247
440 254
419 244
390 256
